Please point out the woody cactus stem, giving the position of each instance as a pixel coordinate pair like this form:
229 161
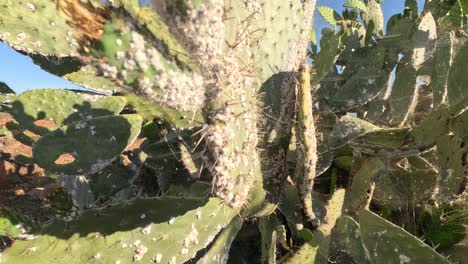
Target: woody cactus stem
307 143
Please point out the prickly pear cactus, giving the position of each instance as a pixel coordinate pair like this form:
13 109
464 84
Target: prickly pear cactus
212 132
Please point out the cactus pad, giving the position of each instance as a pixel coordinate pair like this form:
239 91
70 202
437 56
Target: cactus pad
93 143
161 230
388 243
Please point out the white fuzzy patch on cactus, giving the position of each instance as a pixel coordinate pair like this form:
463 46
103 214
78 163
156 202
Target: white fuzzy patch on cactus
205 28
139 253
182 91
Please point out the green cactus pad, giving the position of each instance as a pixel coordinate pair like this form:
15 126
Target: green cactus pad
328 14
385 138
400 188
455 18
36 27
388 243
130 56
267 227
374 16
87 77
93 143
460 126
314 251
96 106
79 189
5 89
8 224
160 230
430 129
284 23
290 206
442 61
457 94
110 180
150 110
346 243
62 106
219 250
370 169
366 75
452 173
349 128
404 93
399 32
330 43
356 4
44 103
155 24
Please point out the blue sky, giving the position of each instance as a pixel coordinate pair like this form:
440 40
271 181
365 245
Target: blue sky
21 74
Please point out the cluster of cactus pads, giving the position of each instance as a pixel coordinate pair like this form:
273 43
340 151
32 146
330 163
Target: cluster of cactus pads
207 136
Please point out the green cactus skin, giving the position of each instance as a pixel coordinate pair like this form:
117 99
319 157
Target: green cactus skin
328 14
457 94
455 18
268 230
365 76
232 136
5 89
306 254
150 110
430 129
88 77
61 106
219 250
289 206
374 17
8 224
362 182
382 139
404 93
460 126
349 128
155 24
35 27
330 44
161 230
40 104
356 4
317 250
451 170
402 188
94 143
79 189
132 60
345 242
388 243
443 59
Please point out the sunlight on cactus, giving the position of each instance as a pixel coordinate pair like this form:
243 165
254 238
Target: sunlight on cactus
217 131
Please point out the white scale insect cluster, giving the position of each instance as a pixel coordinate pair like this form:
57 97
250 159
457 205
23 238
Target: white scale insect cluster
182 91
232 138
205 29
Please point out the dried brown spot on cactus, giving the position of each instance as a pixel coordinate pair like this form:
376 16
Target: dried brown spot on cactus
86 20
